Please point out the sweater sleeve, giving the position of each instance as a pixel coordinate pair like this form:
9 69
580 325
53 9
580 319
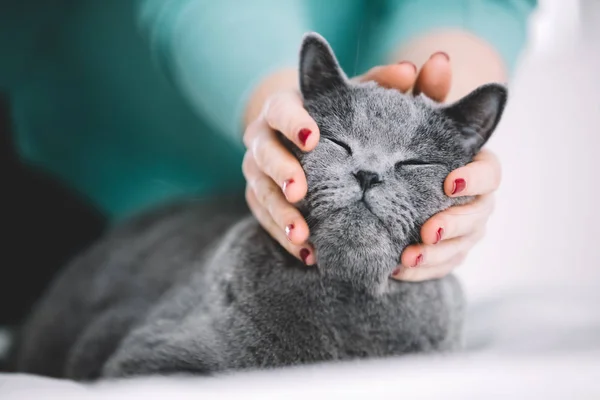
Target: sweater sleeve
502 23
217 51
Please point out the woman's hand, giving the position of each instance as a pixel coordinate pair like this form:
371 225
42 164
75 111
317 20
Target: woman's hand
449 236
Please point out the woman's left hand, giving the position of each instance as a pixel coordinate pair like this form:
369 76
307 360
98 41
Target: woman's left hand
447 237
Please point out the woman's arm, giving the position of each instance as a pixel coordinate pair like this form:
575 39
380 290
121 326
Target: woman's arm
474 61
483 38
216 52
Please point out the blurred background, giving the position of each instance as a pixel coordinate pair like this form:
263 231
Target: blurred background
540 259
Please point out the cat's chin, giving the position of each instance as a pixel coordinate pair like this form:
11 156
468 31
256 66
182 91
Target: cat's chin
361 268
355 246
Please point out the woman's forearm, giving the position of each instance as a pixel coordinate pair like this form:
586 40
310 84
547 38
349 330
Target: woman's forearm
474 61
216 52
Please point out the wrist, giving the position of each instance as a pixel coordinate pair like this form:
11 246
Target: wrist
284 79
474 61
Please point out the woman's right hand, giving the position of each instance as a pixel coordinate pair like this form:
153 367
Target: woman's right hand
275 179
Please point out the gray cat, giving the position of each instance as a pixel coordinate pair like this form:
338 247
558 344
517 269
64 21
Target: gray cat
199 287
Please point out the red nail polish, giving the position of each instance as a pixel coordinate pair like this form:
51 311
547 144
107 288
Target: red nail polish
414 67
396 271
418 261
303 135
459 185
441 53
286 184
439 234
288 231
304 253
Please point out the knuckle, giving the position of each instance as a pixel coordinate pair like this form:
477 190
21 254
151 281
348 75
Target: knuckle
250 132
262 193
279 169
261 150
275 107
290 170
267 194
246 165
275 209
250 199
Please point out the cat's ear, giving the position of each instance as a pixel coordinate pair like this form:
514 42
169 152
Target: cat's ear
320 72
478 114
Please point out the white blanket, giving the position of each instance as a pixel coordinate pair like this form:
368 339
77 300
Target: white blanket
530 345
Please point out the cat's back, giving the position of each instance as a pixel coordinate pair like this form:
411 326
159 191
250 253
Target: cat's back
122 276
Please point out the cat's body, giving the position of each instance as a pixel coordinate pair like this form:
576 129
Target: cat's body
200 288
222 308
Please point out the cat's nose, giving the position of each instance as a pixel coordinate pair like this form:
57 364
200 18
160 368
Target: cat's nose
367 179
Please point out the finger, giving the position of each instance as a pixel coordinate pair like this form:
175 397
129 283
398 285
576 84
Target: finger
272 158
399 76
304 253
481 176
458 221
435 77
285 113
424 274
286 216
423 255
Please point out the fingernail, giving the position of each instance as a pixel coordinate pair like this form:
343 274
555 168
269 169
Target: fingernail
396 271
439 234
413 66
285 185
304 253
303 135
441 53
459 185
418 261
288 231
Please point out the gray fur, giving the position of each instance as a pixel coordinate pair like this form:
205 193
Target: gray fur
200 287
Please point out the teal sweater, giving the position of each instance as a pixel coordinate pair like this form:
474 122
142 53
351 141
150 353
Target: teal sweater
134 102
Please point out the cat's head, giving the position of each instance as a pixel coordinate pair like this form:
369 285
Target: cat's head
377 173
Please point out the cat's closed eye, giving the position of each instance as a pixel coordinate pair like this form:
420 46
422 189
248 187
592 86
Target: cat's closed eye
416 163
339 143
